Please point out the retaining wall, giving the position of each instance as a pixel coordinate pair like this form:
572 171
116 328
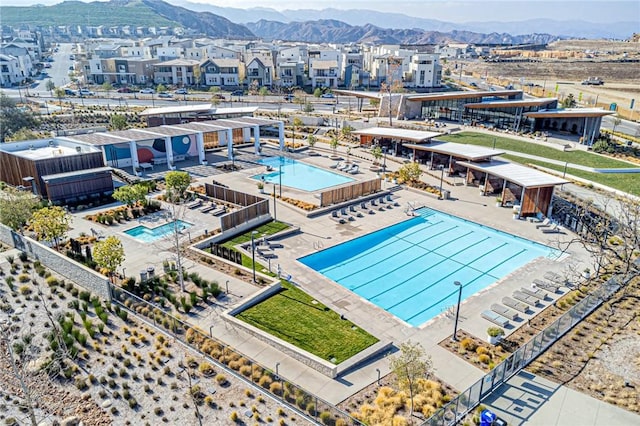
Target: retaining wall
70 269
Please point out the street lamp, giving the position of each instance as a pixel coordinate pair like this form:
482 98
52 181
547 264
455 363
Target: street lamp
378 371
253 254
440 197
226 285
280 176
455 325
275 214
384 161
277 375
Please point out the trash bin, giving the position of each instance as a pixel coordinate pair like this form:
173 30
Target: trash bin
487 418
151 271
446 194
143 275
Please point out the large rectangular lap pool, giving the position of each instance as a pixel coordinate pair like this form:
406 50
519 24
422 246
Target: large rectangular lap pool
408 269
296 174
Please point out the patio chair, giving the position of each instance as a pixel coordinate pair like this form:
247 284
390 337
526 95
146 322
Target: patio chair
353 211
495 318
363 207
336 165
344 167
390 199
334 216
544 224
504 311
526 298
553 229
545 285
538 293
514 304
343 213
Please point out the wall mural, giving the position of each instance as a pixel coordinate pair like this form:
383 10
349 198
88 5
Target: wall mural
149 149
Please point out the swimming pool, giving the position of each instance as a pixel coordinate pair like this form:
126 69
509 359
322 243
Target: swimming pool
149 235
408 269
296 174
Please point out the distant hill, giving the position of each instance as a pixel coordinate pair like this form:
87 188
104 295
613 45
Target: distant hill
361 17
124 12
341 32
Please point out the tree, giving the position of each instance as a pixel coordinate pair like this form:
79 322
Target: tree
376 151
253 87
197 75
616 123
13 118
346 132
59 93
161 88
118 122
16 207
311 140
129 194
569 101
297 123
410 172
108 254
263 92
318 92
24 134
177 183
50 86
308 107
333 143
50 223
410 365
107 87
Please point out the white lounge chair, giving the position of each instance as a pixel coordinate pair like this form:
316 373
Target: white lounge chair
495 318
336 165
526 298
544 224
545 285
354 170
518 306
553 229
505 312
538 293
344 167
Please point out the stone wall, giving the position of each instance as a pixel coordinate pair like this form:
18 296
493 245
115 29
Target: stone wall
68 268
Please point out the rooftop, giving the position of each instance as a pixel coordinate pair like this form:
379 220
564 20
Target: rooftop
520 175
46 148
469 152
405 134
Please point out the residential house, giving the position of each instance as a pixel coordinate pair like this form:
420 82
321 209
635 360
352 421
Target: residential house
424 71
179 72
258 73
290 74
11 73
221 72
324 74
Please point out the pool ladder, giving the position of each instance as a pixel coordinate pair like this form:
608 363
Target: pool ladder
410 208
317 245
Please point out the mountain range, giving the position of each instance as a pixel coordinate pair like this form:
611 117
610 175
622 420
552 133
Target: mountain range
562 28
327 25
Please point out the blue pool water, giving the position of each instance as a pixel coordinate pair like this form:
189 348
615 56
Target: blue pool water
408 269
299 175
149 235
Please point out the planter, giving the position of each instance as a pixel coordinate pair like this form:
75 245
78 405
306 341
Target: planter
586 275
494 340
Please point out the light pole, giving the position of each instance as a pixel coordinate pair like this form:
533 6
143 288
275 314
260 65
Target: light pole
384 161
440 197
275 214
253 254
277 375
389 93
280 177
378 371
226 286
455 325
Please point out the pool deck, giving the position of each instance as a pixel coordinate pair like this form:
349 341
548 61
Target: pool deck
321 232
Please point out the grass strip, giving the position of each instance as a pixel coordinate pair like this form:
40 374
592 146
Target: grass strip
295 317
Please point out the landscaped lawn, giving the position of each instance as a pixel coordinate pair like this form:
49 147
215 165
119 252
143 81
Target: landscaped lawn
583 158
292 316
627 182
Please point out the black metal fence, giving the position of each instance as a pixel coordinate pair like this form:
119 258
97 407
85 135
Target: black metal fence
298 399
464 403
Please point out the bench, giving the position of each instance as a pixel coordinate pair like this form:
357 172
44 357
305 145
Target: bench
495 318
159 160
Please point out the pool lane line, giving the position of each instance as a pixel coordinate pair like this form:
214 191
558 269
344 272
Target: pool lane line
462 265
467 285
395 240
391 238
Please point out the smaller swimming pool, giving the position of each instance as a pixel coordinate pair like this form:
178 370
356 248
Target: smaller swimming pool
296 174
150 235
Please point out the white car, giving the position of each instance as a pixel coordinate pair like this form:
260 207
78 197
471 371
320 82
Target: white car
86 92
148 91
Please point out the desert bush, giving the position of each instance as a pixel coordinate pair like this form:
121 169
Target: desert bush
265 381
221 379
485 359
276 388
468 344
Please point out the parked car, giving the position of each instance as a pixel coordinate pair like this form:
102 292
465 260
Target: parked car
165 95
71 68
237 93
86 92
327 95
124 90
70 92
182 91
147 91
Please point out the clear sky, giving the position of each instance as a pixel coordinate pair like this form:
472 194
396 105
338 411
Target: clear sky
452 11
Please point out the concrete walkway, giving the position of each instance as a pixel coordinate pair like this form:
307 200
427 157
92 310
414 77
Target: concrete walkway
528 399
